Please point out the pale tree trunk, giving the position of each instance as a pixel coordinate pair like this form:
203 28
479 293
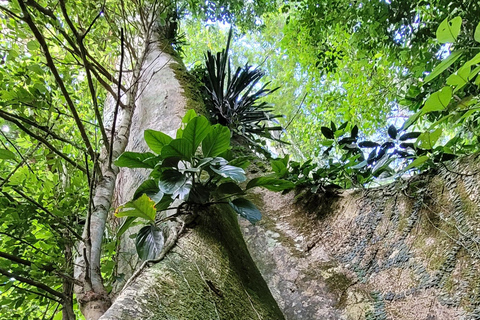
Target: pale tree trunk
209 273
408 251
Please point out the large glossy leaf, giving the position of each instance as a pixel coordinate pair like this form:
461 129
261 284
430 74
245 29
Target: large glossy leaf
189 115
178 148
164 203
232 172
171 180
246 209
438 100
197 129
127 223
150 188
448 30
156 140
143 207
216 142
444 65
271 184
183 192
149 242
137 160
229 188
5 154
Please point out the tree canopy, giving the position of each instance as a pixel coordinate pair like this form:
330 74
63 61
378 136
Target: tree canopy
368 89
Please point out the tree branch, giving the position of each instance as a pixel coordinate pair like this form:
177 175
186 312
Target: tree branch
42 140
83 55
115 114
31 282
38 126
38 35
35 292
47 212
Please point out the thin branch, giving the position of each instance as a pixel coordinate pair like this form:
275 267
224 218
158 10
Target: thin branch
4 114
31 282
38 35
16 149
34 292
42 140
83 55
107 86
18 166
10 13
122 56
24 242
93 22
47 212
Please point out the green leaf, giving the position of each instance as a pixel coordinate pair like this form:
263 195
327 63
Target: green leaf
428 139
149 242
179 148
392 132
438 100
232 172
444 65
189 115
448 30
137 160
476 35
143 207
409 135
271 184
171 180
246 209
216 142
230 188
6 154
151 189
197 129
360 165
368 144
33 45
156 140
279 167
327 132
411 120
127 223
459 78
164 203
417 162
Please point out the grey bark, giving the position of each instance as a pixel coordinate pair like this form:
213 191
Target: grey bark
409 250
209 274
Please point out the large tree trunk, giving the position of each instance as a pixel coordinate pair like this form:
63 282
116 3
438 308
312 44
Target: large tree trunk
209 273
409 250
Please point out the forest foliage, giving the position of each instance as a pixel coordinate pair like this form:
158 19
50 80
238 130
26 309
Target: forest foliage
369 90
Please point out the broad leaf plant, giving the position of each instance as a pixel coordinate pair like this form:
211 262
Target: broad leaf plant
195 168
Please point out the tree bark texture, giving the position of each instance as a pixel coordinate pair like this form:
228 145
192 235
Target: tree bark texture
409 250
209 273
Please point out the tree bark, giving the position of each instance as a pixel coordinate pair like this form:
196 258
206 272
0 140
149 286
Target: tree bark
408 250
209 273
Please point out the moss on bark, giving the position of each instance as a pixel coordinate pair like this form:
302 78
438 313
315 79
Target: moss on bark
208 275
